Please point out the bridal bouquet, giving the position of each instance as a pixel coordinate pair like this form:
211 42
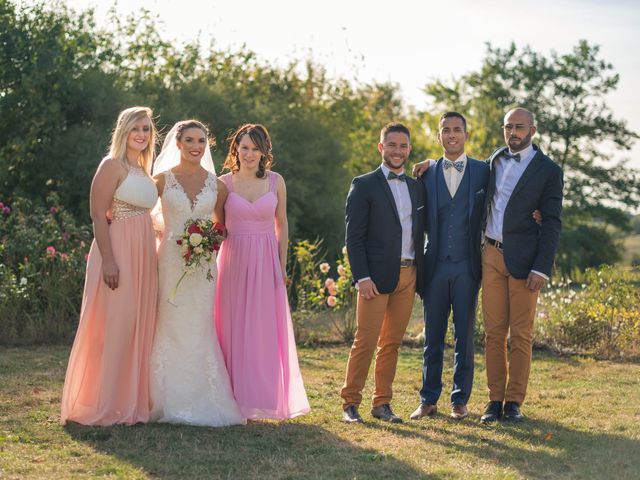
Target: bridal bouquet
197 243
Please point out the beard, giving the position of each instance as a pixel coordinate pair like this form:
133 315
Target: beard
390 163
521 143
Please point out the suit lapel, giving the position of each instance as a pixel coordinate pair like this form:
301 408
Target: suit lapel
414 205
432 188
470 167
534 165
491 188
384 185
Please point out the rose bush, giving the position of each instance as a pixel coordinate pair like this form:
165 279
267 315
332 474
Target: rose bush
42 265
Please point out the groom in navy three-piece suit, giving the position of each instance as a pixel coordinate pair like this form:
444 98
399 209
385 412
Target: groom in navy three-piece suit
455 191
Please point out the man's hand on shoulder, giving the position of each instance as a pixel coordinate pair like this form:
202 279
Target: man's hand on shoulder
421 167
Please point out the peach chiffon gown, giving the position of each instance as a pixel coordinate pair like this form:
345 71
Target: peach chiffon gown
107 379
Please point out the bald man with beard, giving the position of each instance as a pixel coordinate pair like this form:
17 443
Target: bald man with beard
517 259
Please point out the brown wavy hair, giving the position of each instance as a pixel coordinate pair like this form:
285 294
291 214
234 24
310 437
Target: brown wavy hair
192 123
261 139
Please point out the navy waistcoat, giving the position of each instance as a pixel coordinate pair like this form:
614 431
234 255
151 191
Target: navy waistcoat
453 218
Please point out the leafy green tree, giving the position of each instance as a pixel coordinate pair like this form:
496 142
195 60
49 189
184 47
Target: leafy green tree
56 102
575 127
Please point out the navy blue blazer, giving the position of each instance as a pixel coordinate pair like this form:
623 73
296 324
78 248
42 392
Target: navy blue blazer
478 180
527 245
374 233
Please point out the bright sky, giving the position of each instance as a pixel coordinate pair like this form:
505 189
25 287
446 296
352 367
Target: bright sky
409 42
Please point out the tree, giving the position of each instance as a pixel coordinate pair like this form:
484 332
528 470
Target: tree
575 127
55 101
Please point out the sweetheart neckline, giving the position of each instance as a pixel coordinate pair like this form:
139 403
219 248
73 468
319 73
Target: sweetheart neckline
249 201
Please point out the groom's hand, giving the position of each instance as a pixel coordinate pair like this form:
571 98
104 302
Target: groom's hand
367 289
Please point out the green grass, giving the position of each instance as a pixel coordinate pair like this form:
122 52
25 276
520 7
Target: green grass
583 422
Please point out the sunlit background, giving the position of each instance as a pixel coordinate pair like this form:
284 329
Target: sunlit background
408 43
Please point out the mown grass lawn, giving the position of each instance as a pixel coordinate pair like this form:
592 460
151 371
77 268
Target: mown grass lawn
583 422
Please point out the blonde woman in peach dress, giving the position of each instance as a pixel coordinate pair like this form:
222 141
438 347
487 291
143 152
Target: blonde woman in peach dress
107 379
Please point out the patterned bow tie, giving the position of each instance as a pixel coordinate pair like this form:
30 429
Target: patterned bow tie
459 165
402 177
507 156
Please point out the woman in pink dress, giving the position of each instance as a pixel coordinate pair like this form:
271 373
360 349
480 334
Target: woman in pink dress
107 379
252 311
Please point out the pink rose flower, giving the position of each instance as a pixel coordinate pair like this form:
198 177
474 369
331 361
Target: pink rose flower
332 301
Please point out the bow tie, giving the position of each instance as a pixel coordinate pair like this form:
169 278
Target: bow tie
507 156
402 177
459 165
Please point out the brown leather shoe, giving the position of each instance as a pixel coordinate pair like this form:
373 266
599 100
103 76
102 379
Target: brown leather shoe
459 412
424 410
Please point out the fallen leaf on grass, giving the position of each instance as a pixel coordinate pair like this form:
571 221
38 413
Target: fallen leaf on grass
548 437
37 390
377 457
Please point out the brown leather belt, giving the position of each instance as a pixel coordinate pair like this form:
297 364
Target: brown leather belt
495 243
407 262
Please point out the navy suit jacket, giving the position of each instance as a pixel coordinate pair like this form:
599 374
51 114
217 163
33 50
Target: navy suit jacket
374 233
527 245
478 180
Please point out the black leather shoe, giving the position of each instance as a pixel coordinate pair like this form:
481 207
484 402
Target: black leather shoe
351 415
384 413
512 412
492 412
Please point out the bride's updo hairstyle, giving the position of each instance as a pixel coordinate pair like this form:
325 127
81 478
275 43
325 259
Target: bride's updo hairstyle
126 121
260 137
187 124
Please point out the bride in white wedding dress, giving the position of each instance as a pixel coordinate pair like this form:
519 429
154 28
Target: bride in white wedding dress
189 381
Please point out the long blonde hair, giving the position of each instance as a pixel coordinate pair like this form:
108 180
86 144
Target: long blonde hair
126 121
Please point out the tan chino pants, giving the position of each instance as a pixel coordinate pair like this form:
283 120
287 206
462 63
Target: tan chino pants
381 323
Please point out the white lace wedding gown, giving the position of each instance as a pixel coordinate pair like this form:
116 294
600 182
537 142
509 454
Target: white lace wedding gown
189 381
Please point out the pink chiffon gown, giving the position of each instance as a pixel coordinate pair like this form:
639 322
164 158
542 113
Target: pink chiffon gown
107 379
252 314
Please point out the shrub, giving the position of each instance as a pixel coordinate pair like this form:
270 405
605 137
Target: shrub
340 296
600 315
42 265
315 293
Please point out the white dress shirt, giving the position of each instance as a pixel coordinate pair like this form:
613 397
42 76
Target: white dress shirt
400 191
508 173
452 176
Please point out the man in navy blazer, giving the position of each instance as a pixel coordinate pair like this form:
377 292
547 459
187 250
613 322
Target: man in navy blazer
454 207
517 258
384 238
